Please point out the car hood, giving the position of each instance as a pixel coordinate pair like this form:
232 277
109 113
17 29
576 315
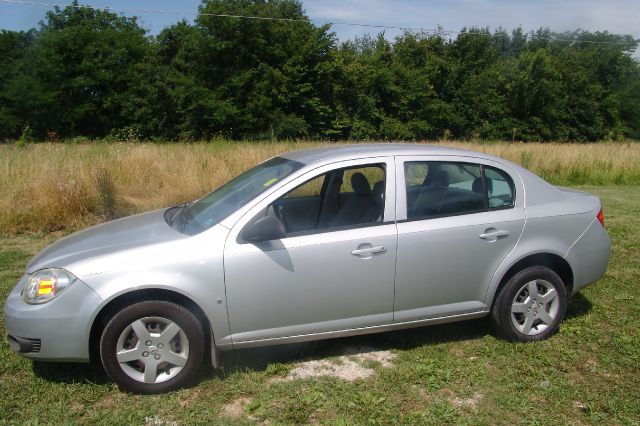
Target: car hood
107 238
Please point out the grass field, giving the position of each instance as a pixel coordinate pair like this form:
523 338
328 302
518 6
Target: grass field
49 187
458 373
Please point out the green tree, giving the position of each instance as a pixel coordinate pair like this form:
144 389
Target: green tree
177 104
537 101
90 72
12 48
82 71
274 77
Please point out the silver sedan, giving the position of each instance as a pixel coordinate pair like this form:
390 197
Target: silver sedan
309 245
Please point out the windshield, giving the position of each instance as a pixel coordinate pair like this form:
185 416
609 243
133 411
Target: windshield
203 214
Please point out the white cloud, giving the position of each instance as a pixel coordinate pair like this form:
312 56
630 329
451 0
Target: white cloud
621 16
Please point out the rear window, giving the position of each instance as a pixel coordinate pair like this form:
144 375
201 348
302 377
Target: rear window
500 188
437 189
440 188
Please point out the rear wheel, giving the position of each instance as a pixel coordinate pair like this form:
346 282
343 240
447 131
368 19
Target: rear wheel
152 346
530 306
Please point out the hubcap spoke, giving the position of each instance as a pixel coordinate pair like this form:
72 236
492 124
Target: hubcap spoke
128 355
169 333
545 317
533 289
141 330
150 371
174 358
549 296
526 327
519 308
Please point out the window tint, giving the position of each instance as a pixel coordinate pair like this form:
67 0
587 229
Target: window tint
415 173
373 175
500 188
312 188
443 188
340 198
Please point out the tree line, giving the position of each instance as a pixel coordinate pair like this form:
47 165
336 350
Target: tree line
92 73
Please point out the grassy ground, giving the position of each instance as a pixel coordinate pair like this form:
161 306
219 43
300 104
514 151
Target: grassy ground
47 187
457 373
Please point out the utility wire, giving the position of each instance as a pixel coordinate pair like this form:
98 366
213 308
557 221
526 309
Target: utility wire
437 31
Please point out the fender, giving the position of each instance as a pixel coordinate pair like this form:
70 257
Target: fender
164 269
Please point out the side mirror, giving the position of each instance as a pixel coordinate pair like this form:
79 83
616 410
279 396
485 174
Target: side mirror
264 229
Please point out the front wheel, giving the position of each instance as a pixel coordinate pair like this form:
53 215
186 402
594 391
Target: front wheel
530 306
152 347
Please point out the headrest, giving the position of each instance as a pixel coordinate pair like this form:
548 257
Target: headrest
378 192
477 185
360 184
440 178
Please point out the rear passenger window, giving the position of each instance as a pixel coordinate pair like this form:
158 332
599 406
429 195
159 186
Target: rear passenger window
500 188
437 188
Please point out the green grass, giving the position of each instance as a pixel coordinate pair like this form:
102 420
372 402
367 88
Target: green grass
457 373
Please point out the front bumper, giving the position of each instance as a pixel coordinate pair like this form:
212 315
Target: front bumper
61 326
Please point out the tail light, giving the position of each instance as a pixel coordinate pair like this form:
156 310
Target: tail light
601 217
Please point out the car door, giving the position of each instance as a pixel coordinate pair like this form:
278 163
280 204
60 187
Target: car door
334 269
458 218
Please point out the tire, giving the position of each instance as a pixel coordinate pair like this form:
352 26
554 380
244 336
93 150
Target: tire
152 347
519 317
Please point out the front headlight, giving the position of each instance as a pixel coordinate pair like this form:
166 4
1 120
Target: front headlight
46 284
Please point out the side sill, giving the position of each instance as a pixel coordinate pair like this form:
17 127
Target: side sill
357 331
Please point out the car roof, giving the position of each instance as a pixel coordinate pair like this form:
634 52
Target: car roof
313 155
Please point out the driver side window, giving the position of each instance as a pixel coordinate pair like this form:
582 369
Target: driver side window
340 198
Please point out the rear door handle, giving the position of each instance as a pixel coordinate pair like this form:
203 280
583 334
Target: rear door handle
493 234
368 250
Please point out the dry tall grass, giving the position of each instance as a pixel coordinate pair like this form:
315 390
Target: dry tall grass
47 187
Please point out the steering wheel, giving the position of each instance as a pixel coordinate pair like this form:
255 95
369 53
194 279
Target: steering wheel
278 211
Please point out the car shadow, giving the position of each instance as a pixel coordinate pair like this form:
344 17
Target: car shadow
259 359
70 372
578 306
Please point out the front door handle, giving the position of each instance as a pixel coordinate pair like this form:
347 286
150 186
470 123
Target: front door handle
366 250
493 234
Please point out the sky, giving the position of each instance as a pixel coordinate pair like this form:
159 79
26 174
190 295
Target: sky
615 16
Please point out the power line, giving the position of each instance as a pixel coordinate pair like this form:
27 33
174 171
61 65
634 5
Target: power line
438 31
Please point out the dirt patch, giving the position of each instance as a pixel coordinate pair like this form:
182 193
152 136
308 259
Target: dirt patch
459 353
187 398
471 402
158 421
354 365
580 405
110 401
235 408
76 406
